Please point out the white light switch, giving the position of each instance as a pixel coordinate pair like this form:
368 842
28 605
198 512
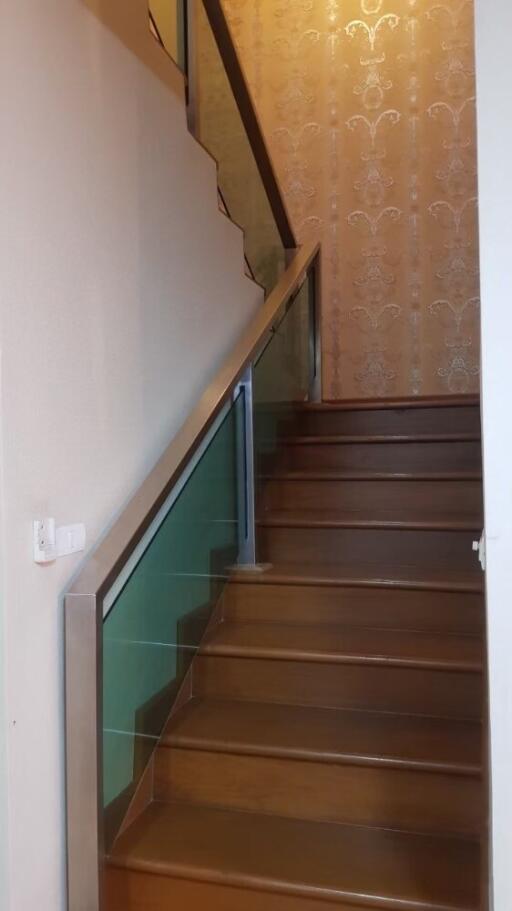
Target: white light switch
51 542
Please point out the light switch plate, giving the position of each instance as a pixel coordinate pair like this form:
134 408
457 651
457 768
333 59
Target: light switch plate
51 542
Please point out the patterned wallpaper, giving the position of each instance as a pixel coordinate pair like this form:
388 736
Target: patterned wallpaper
369 111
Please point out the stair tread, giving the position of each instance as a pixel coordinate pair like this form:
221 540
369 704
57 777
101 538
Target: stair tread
445 401
326 735
368 574
333 643
332 474
366 866
341 438
380 517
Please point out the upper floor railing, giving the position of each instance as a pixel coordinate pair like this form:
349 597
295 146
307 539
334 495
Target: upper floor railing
224 120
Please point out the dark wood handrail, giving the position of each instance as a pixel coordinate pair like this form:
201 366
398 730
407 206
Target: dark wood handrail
106 562
250 119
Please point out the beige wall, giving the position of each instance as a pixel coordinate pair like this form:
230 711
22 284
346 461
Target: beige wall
368 107
122 289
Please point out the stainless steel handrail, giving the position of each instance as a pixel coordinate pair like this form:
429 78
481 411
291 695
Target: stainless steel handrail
84 602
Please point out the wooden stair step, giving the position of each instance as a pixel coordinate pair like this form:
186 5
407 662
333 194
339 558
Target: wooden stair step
359 768
378 574
385 518
456 612
278 857
345 645
334 474
332 537
397 415
375 687
401 453
415 495
339 439
391 403
327 735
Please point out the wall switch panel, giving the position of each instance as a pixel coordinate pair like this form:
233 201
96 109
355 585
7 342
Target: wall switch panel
51 542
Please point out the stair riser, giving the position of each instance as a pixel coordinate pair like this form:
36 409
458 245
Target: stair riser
127 890
398 609
414 498
354 794
464 419
385 457
361 546
389 689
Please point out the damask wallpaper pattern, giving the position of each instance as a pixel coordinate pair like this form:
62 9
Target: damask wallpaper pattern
369 111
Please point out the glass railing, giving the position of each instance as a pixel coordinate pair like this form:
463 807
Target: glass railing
137 613
158 618
253 202
283 376
168 23
157 611
219 126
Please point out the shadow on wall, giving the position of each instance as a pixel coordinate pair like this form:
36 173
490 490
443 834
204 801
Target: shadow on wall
129 21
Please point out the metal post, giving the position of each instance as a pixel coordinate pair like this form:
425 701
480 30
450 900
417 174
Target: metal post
315 345
246 478
190 25
84 797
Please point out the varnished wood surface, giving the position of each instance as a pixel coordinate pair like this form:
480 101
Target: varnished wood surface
382 454
428 548
327 735
385 517
330 753
338 439
303 858
394 418
369 574
457 612
355 475
128 889
402 402
345 645
375 496
379 687
337 792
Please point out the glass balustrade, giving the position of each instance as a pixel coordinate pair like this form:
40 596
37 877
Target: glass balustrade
168 23
283 376
217 123
156 614
219 126
158 618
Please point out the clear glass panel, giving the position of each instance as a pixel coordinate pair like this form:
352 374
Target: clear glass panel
157 621
220 128
282 376
168 20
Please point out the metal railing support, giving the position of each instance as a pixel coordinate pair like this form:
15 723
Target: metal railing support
84 755
246 474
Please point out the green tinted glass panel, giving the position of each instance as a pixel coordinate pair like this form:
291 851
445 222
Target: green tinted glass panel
157 621
220 128
168 19
282 375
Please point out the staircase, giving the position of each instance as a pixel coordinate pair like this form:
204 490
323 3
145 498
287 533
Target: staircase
327 746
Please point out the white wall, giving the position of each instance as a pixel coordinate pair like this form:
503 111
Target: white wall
494 104
122 287
3 750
